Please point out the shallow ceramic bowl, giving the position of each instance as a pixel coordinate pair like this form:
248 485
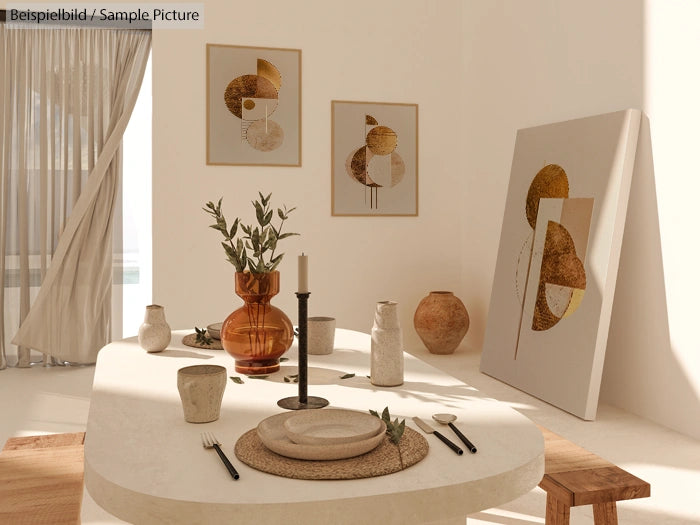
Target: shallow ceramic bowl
331 426
274 436
215 330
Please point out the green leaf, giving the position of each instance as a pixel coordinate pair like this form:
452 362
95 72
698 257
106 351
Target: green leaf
347 376
283 359
275 262
236 380
202 337
385 416
267 218
285 235
394 429
234 229
259 214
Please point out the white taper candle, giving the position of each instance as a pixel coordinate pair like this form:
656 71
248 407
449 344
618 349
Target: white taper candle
303 273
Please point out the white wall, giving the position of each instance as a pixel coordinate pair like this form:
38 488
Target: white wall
530 63
393 51
479 70
526 64
654 367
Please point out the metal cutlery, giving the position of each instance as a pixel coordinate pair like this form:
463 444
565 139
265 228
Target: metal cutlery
209 441
447 419
430 430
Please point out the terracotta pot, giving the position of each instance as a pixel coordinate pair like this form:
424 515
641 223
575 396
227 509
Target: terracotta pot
257 334
441 321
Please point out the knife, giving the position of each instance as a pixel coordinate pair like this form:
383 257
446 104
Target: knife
430 430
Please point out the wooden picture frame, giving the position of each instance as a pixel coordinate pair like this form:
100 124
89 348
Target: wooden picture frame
253 106
374 159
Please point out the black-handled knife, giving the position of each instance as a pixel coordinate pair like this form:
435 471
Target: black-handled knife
430 430
464 439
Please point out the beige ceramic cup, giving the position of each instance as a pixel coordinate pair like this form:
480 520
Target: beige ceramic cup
320 335
201 390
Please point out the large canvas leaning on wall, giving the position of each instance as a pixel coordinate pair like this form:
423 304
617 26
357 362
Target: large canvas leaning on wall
558 256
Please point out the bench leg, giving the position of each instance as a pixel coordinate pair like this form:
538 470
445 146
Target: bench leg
557 512
605 513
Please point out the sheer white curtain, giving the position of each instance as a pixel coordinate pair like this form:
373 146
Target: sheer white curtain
68 94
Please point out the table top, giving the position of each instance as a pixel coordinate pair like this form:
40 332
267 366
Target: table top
145 464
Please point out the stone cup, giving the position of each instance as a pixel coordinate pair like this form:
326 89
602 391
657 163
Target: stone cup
320 335
201 390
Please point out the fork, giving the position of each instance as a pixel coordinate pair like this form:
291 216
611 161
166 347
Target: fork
209 441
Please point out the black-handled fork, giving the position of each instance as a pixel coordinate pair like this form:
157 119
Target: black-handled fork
209 441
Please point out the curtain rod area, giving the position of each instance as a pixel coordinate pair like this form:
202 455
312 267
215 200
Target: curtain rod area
93 24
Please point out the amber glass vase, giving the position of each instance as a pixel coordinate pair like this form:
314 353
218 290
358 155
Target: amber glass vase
257 334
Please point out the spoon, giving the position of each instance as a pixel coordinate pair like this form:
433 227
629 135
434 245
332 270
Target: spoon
447 419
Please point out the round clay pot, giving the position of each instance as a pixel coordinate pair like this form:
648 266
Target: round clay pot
441 321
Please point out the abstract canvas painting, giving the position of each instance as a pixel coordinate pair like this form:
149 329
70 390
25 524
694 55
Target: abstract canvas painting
558 256
374 158
253 106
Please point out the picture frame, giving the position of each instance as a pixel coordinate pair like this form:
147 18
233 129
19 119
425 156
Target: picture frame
253 106
374 158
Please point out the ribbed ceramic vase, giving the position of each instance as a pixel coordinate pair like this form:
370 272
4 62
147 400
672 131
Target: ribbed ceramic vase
154 333
441 321
258 333
387 346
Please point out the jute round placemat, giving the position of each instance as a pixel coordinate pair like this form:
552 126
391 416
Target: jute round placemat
191 340
384 459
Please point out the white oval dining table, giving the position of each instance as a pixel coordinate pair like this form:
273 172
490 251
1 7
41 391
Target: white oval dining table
145 464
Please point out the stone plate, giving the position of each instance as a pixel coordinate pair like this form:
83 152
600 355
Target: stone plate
215 330
273 435
331 426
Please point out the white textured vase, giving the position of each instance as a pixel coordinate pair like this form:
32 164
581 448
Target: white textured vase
154 333
387 346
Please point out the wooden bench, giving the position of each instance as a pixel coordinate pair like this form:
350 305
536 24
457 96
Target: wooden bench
41 480
574 476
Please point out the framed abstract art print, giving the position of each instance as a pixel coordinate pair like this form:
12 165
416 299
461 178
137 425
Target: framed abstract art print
374 151
253 106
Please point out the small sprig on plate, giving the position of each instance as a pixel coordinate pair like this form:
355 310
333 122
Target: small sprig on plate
202 336
394 429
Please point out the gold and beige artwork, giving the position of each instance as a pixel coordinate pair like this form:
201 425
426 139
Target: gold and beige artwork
376 164
550 276
253 98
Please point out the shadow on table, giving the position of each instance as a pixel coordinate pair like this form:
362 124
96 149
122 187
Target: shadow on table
182 353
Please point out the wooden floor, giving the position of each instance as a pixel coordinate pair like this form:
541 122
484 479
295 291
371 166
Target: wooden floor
41 480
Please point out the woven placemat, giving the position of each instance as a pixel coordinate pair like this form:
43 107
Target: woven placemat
191 340
384 459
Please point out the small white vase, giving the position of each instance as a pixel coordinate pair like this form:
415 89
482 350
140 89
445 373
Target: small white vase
154 333
387 346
